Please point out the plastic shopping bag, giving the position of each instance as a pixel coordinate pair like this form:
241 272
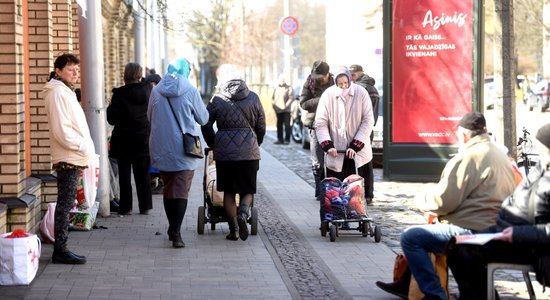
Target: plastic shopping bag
47 225
87 186
19 258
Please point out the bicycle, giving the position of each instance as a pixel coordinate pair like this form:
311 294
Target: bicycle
525 147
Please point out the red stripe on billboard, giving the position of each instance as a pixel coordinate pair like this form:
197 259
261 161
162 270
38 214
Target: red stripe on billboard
432 69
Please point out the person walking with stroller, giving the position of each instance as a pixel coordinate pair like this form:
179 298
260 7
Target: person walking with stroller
281 101
316 83
71 148
344 121
130 139
175 106
240 120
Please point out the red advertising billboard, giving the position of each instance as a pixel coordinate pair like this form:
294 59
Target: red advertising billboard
432 67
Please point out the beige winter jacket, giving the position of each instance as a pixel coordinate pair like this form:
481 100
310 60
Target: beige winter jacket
342 121
70 139
472 187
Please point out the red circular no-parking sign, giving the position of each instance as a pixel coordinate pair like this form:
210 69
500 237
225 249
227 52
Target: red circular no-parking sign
289 25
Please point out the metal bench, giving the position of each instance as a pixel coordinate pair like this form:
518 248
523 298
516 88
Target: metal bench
525 269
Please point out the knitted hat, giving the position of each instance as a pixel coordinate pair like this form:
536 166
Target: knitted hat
543 135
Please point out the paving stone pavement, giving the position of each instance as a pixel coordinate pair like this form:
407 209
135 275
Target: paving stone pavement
130 257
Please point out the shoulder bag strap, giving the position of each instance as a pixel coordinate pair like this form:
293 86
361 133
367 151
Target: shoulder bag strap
244 116
175 117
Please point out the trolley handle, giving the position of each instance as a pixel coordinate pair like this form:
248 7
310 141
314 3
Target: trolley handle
339 152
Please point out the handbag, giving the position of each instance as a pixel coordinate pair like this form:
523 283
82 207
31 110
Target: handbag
19 258
191 144
47 225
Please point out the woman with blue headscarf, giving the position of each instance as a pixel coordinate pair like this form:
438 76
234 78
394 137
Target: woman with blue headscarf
165 142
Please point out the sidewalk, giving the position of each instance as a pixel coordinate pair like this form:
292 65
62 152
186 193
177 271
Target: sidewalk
131 258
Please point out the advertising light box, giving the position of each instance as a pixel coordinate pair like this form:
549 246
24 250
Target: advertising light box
432 49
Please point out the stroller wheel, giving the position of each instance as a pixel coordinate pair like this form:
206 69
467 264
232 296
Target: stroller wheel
200 220
365 227
377 234
332 233
253 221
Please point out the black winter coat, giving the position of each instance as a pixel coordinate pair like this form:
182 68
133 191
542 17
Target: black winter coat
128 113
368 83
515 209
240 120
309 98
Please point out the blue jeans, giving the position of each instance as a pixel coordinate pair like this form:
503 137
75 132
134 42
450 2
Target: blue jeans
417 242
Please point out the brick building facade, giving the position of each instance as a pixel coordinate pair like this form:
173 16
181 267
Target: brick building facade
32 34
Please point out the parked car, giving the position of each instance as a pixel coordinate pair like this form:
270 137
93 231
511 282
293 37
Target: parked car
378 136
489 93
539 97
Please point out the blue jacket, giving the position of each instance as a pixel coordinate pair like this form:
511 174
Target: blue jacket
166 142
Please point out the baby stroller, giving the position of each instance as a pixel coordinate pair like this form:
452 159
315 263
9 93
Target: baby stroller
212 210
343 207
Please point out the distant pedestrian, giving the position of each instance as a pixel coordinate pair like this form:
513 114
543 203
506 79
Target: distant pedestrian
175 97
281 101
240 121
367 82
130 139
71 148
344 121
316 83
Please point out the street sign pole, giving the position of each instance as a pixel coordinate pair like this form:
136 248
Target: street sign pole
286 39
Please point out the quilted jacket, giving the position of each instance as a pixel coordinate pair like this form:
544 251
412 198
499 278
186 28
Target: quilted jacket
240 122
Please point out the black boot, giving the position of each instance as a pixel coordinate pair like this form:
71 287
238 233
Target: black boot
180 206
67 257
398 288
242 218
169 210
232 236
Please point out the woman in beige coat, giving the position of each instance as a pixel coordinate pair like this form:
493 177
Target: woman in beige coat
344 121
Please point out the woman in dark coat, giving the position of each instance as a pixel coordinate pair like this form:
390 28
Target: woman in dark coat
130 139
240 121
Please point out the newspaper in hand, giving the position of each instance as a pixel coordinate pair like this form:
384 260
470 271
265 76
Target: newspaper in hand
476 239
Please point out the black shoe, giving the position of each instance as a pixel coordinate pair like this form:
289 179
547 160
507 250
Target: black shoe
68 258
243 227
232 236
170 235
278 142
369 201
287 142
125 213
145 212
177 241
394 288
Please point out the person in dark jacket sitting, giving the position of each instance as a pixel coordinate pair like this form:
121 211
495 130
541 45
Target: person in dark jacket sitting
240 119
130 139
523 238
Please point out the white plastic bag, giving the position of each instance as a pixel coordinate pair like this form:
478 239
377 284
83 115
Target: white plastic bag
19 258
87 188
47 225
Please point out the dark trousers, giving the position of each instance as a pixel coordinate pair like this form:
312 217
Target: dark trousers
283 120
142 178
67 181
469 264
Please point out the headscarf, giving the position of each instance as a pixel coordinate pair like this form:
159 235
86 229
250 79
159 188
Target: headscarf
227 72
342 70
180 66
